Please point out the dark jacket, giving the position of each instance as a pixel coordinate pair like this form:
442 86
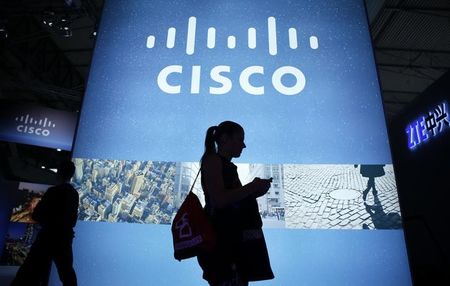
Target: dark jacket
57 211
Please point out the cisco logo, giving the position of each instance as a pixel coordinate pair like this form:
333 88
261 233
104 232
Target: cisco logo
218 74
30 125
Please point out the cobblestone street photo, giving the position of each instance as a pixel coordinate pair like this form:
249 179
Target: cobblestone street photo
332 197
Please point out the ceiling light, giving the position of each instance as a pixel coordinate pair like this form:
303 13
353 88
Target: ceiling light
67 33
3 32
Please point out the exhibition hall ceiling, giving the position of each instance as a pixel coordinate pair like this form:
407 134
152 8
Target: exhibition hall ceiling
47 47
412 47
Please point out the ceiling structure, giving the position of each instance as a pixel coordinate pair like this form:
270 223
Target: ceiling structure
46 49
411 40
46 55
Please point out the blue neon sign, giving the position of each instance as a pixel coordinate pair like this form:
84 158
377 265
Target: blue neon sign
429 126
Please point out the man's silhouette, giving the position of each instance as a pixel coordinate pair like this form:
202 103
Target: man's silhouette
57 215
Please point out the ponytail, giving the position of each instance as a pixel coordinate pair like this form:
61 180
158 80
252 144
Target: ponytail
210 142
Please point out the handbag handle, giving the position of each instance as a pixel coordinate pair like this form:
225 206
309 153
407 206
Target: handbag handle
195 180
211 209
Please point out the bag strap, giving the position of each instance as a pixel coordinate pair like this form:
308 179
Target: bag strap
195 180
211 210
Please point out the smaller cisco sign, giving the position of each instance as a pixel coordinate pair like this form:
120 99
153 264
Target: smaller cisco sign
35 125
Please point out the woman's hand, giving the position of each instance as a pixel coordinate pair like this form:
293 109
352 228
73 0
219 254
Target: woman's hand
260 186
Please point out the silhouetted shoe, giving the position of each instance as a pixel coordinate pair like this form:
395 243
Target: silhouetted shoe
365 192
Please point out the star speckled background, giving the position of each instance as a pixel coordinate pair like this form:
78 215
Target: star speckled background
337 118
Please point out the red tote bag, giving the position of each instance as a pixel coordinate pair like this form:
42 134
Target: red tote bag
192 231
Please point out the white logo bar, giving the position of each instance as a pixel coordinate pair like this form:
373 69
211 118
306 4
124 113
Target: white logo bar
27 119
150 42
190 44
272 30
231 40
314 42
171 37
252 38
293 44
211 38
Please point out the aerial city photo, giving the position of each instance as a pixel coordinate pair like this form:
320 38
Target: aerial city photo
152 191
125 191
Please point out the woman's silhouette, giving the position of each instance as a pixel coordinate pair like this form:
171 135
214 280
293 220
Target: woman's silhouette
240 255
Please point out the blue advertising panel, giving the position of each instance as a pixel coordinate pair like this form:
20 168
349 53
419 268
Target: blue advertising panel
303 82
37 125
299 76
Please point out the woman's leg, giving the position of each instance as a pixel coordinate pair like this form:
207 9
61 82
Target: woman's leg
235 281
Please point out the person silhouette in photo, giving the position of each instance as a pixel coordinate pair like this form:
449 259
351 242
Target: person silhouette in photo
371 172
381 219
57 214
240 254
